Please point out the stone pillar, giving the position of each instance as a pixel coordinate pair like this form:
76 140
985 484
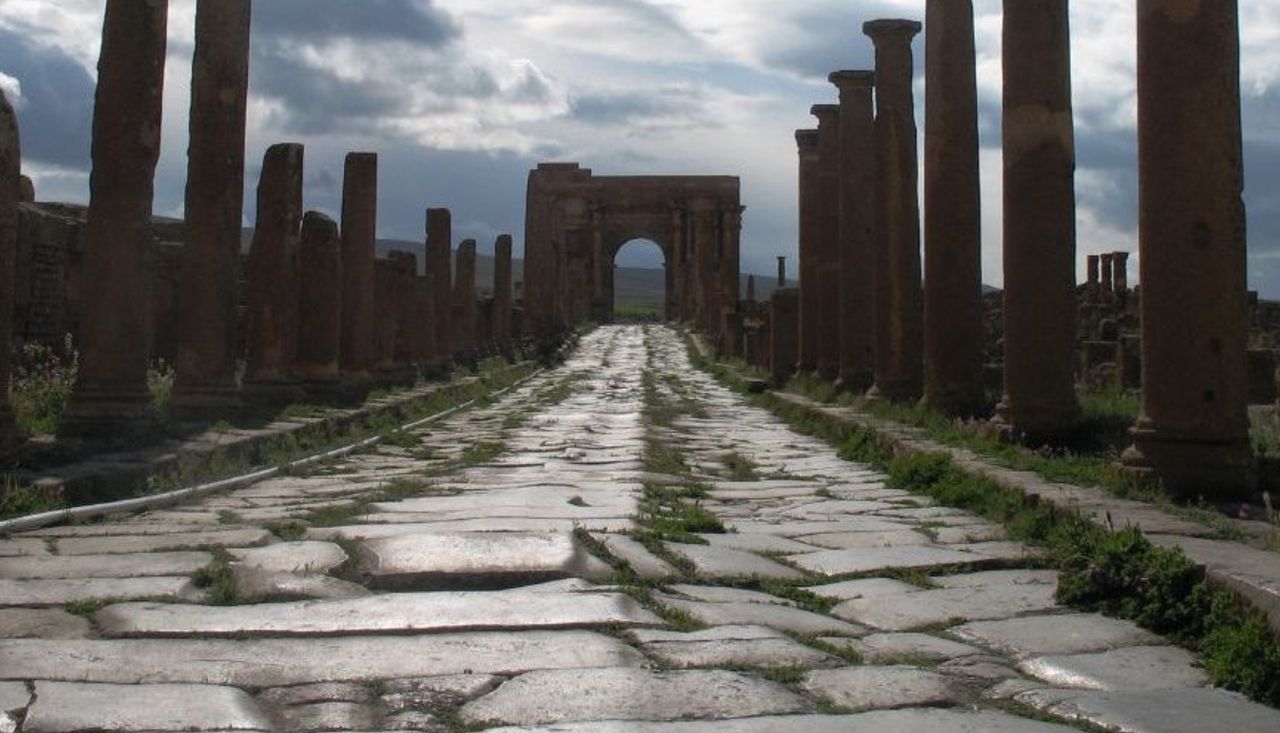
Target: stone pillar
857 244
319 302
1194 430
440 278
273 277
502 284
464 301
205 385
680 262
359 243
828 240
385 275
807 347
424 332
111 401
784 316
1120 273
26 190
729 321
1108 273
706 242
953 314
751 289
1039 223
10 165
406 313
782 272
899 369
1093 280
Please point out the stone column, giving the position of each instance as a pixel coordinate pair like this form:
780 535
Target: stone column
111 401
319 302
273 277
1108 273
205 384
10 167
26 190
1120 273
751 289
784 316
1194 430
807 346
899 344
729 320
385 275
1039 223
706 232
502 284
406 309
679 263
1093 280
857 245
782 272
424 332
828 240
953 314
464 301
359 242
440 276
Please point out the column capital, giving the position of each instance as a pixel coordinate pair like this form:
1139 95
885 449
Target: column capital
807 141
826 113
848 79
892 29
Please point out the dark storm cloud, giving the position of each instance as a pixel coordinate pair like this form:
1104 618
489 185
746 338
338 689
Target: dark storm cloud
829 38
405 20
317 100
56 113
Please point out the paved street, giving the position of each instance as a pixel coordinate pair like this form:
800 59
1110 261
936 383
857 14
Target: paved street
620 544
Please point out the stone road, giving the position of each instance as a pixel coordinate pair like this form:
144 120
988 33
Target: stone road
618 545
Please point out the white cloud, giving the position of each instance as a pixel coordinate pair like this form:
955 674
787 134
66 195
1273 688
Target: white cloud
12 89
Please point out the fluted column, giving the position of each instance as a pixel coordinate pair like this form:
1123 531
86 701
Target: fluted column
953 315
899 308
111 401
10 173
857 245
273 276
359 242
1194 430
809 301
1039 222
828 240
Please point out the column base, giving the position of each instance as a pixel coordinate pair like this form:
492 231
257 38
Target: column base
894 391
1190 468
1035 423
116 420
197 404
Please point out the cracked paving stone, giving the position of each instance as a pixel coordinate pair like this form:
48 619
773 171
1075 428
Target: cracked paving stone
328 716
722 562
393 613
1158 711
437 693
783 618
920 608
41 623
60 591
320 692
729 646
865 688
919 720
889 648
1058 634
630 694
1129 669
14 698
123 544
475 561
292 557
865 560
62 707
260 663
104 566
645 564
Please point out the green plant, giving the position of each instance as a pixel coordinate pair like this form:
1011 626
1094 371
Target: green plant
217 580
741 468
19 500
41 383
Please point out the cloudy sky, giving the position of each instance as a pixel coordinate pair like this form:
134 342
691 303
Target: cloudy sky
463 97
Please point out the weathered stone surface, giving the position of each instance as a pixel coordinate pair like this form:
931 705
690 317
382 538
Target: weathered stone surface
848 562
437 693
723 562
396 613
163 543
764 543
858 540
255 584
333 716
867 588
281 662
320 692
62 707
14 698
579 695
898 721
59 591
1067 634
293 557
1159 711
890 648
723 594
643 562
729 646
272 271
320 300
779 617
880 687
41 623
472 560
997 578
359 240
1129 669
929 607
105 566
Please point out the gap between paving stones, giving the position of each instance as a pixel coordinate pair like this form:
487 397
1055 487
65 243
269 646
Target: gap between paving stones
370 413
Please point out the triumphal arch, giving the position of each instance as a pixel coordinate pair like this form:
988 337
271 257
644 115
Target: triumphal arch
576 222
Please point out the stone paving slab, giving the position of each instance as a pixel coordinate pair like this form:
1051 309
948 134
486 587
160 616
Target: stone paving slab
1129 669
723 562
887 721
778 617
293 557
864 688
729 646
260 663
60 591
765 543
475 560
890 648
630 694
104 566
1059 634
1159 711
921 608
394 613
645 564
860 540
122 544
62 707
865 560
864 588
41 623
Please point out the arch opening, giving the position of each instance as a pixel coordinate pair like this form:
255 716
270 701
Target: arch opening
639 282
